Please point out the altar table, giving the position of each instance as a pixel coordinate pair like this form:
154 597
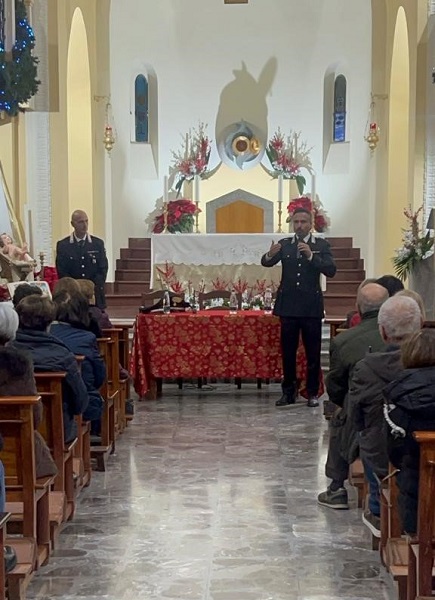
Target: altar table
210 343
207 257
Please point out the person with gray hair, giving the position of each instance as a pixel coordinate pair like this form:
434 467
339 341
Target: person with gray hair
346 349
399 318
8 323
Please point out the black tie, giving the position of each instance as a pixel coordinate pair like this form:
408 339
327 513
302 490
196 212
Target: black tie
81 244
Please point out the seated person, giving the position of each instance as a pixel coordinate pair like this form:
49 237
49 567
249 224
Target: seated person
410 406
71 312
16 379
87 288
23 290
49 354
72 287
14 252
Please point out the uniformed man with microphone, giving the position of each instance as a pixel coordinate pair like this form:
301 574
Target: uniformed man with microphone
299 302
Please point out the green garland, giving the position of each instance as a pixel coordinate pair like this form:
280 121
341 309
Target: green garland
18 77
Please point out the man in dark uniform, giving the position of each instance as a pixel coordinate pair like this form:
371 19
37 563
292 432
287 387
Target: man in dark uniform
81 256
299 301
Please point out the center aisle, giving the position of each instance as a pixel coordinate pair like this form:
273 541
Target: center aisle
212 496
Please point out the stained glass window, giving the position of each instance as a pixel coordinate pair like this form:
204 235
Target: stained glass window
141 109
340 108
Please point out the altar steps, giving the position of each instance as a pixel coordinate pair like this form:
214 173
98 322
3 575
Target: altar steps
133 271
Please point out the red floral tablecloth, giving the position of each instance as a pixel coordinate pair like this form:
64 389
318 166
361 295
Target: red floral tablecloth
209 344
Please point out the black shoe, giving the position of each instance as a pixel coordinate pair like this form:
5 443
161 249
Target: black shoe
336 500
285 400
313 401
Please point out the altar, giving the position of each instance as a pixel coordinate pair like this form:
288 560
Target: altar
213 261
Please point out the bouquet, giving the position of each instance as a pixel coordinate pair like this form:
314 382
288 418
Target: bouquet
415 246
321 221
288 156
193 158
180 217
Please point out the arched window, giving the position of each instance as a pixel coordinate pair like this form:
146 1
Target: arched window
340 109
141 109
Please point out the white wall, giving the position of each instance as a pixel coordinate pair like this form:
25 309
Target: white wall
194 46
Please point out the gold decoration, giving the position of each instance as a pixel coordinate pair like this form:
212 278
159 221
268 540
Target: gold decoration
372 138
241 144
109 139
255 146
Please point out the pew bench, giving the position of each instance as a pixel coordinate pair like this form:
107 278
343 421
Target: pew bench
4 518
27 498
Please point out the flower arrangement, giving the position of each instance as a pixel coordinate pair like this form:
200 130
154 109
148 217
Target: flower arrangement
415 246
321 220
193 157
288 156
180 217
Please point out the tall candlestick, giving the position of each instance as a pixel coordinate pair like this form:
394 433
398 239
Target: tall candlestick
313 188
165 189
196 188
280 197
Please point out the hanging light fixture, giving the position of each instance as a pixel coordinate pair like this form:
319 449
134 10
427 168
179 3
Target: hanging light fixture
109 136
372 132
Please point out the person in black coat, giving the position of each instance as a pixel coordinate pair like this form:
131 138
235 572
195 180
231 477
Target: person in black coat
50 354
410 406
299 301
81 256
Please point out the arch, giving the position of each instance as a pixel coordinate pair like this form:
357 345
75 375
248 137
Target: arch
340 102
141 106
398 196
79 118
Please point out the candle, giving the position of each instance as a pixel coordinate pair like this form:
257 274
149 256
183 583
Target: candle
165 189
196 189
280 187
313 188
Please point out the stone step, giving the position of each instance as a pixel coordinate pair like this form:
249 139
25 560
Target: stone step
133 263
131 287
127 253
350 275
338 305
349 263
133 275
337 286
139 242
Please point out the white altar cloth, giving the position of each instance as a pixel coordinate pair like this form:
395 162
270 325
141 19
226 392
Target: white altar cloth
216 249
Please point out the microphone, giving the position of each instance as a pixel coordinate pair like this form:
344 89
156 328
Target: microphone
298 239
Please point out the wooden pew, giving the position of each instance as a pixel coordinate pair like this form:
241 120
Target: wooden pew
113 381
102 452
358 481
82 450
4 518
62 499
421 549
27 498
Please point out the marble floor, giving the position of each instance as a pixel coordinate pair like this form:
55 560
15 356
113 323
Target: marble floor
212 496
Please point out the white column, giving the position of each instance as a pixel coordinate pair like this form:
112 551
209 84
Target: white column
9 24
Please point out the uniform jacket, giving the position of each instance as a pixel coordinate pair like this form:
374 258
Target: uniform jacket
346 349
411 402
366 400
299 293
89 262
50 354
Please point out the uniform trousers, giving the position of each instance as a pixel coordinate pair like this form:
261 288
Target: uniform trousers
311 330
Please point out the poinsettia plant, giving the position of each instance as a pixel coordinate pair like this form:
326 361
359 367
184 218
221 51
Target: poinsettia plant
288 156
321 221
180 217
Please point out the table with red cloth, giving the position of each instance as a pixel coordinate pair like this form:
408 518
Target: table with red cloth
211 344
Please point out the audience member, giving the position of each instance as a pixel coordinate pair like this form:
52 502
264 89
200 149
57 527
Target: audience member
354 318
410 406
50 354
399 317
71 312
391 283
73 287
346 350
417 298
87 288
16 379
23 290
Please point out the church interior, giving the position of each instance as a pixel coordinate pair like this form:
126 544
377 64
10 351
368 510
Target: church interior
188 132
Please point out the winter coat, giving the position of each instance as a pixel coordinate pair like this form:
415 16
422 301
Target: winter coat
410 407
366 401
346 349
50 354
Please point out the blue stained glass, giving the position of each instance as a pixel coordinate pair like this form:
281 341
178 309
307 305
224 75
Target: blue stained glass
141 108
339 126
